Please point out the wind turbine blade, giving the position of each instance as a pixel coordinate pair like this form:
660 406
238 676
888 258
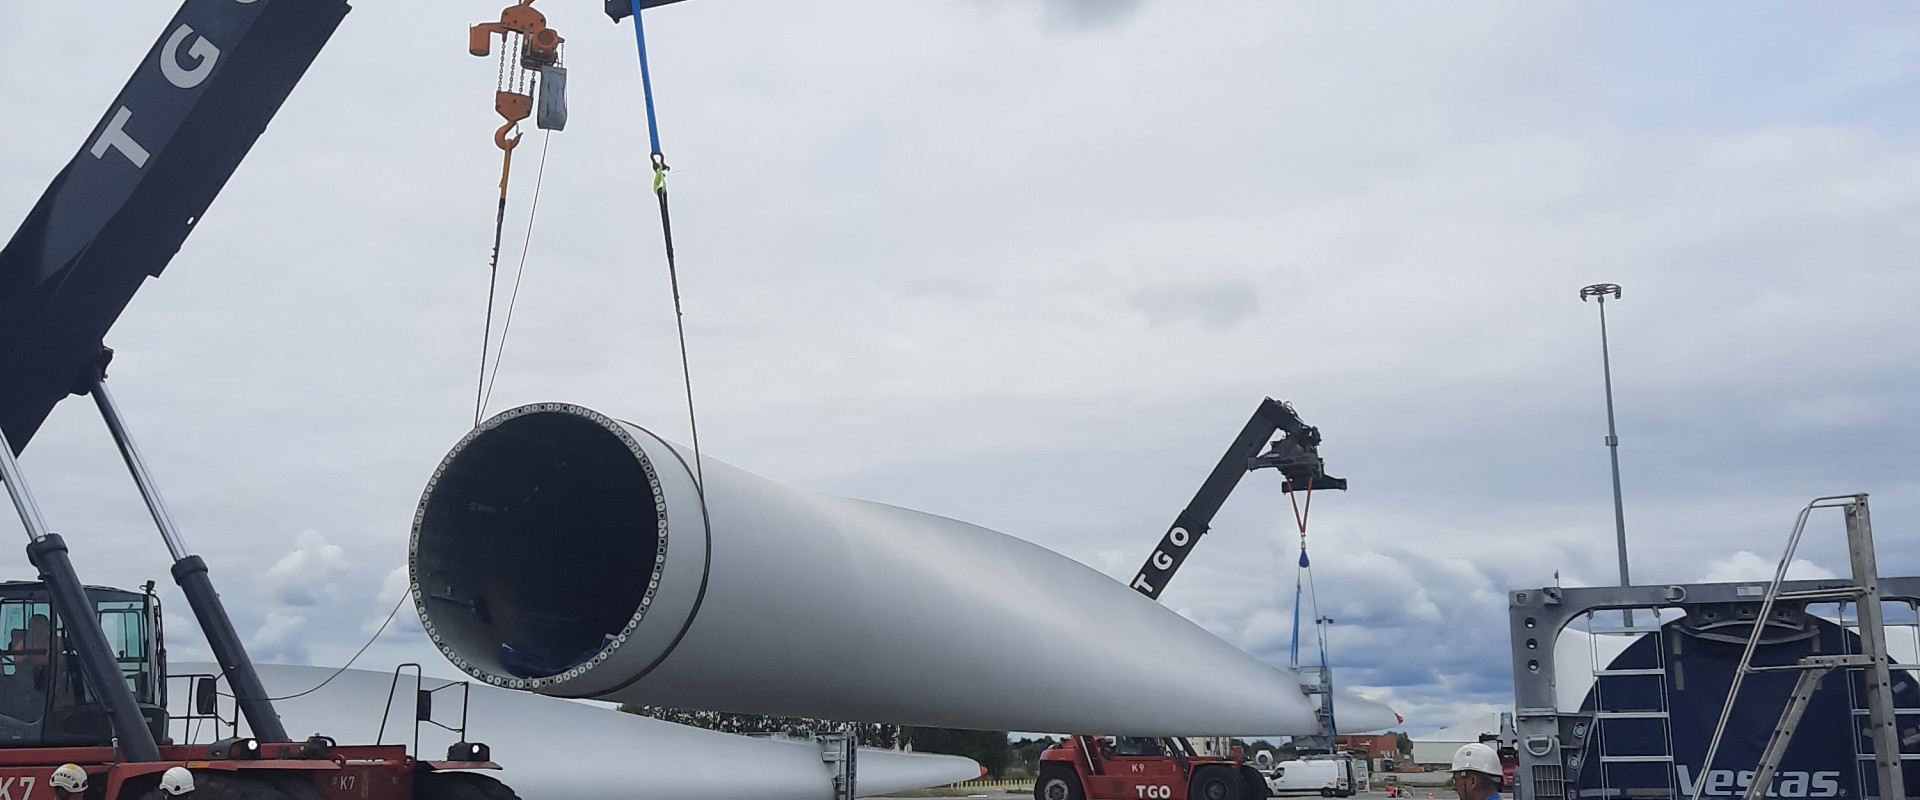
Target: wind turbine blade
553 749
560 551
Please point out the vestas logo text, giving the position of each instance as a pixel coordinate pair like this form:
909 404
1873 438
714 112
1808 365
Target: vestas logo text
1728 783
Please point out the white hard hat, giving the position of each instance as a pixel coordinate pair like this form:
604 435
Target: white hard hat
70 777
1477 757
177 781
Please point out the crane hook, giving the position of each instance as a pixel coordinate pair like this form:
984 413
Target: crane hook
505 142
513 107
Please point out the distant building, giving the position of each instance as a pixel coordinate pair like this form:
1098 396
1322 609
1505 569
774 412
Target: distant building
1436 749
1370 745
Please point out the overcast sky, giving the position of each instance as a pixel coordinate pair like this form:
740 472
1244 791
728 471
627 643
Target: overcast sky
1031 265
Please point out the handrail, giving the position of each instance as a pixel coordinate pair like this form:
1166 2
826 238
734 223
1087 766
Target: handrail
423 705
1760 624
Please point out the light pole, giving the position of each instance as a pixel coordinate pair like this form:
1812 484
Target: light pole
1600 292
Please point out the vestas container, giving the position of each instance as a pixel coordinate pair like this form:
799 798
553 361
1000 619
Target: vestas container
1672 710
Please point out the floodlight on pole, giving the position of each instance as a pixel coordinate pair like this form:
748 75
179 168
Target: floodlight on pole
1600 292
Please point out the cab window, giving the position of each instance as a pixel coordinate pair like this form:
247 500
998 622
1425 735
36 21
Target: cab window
29 645
125 623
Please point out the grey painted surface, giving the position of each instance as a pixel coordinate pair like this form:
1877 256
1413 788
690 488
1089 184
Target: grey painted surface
555 749
845 609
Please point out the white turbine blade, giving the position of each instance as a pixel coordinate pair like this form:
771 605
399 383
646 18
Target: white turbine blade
561 551
553 749
1356 714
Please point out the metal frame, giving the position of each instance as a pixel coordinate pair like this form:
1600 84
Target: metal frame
1550 742
191 720
423 705
1864 593
841 752
1320 691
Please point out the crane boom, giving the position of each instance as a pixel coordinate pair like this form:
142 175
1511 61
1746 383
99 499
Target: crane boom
1296 455
123 205
114 216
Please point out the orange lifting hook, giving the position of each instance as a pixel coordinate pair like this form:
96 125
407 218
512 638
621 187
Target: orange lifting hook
515 107
540 47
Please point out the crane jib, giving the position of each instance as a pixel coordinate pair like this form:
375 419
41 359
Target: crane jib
1166 558
119 210
1296 455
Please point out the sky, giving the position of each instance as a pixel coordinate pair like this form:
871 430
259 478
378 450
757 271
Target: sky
1032 265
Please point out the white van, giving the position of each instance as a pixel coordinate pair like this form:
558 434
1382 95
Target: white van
1327 777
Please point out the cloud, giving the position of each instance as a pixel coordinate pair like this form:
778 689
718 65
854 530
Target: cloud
281 639
405 621
1081 14
306 576
1748 566
1222 304
183 638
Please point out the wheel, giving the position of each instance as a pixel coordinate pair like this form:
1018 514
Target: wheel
1057 783
1253 785
1214 784
220 785
459 785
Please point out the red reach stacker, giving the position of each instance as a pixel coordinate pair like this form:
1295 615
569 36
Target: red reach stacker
83 673
1138 768
1142 768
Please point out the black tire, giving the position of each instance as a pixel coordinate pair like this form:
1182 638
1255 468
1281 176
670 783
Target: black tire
1214 784
1253 785
222 785
1057 783
460 785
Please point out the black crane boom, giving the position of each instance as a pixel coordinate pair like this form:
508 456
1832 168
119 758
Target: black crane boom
118 211
1296 455
115 216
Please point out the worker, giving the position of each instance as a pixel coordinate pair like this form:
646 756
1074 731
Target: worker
30 644
176 782
1476 772
69 782
34 648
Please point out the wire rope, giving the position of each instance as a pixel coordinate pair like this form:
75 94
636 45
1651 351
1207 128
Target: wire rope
519 272
660 170
344 667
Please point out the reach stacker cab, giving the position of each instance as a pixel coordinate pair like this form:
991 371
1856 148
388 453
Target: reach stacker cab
44 701
49 716
1143 768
